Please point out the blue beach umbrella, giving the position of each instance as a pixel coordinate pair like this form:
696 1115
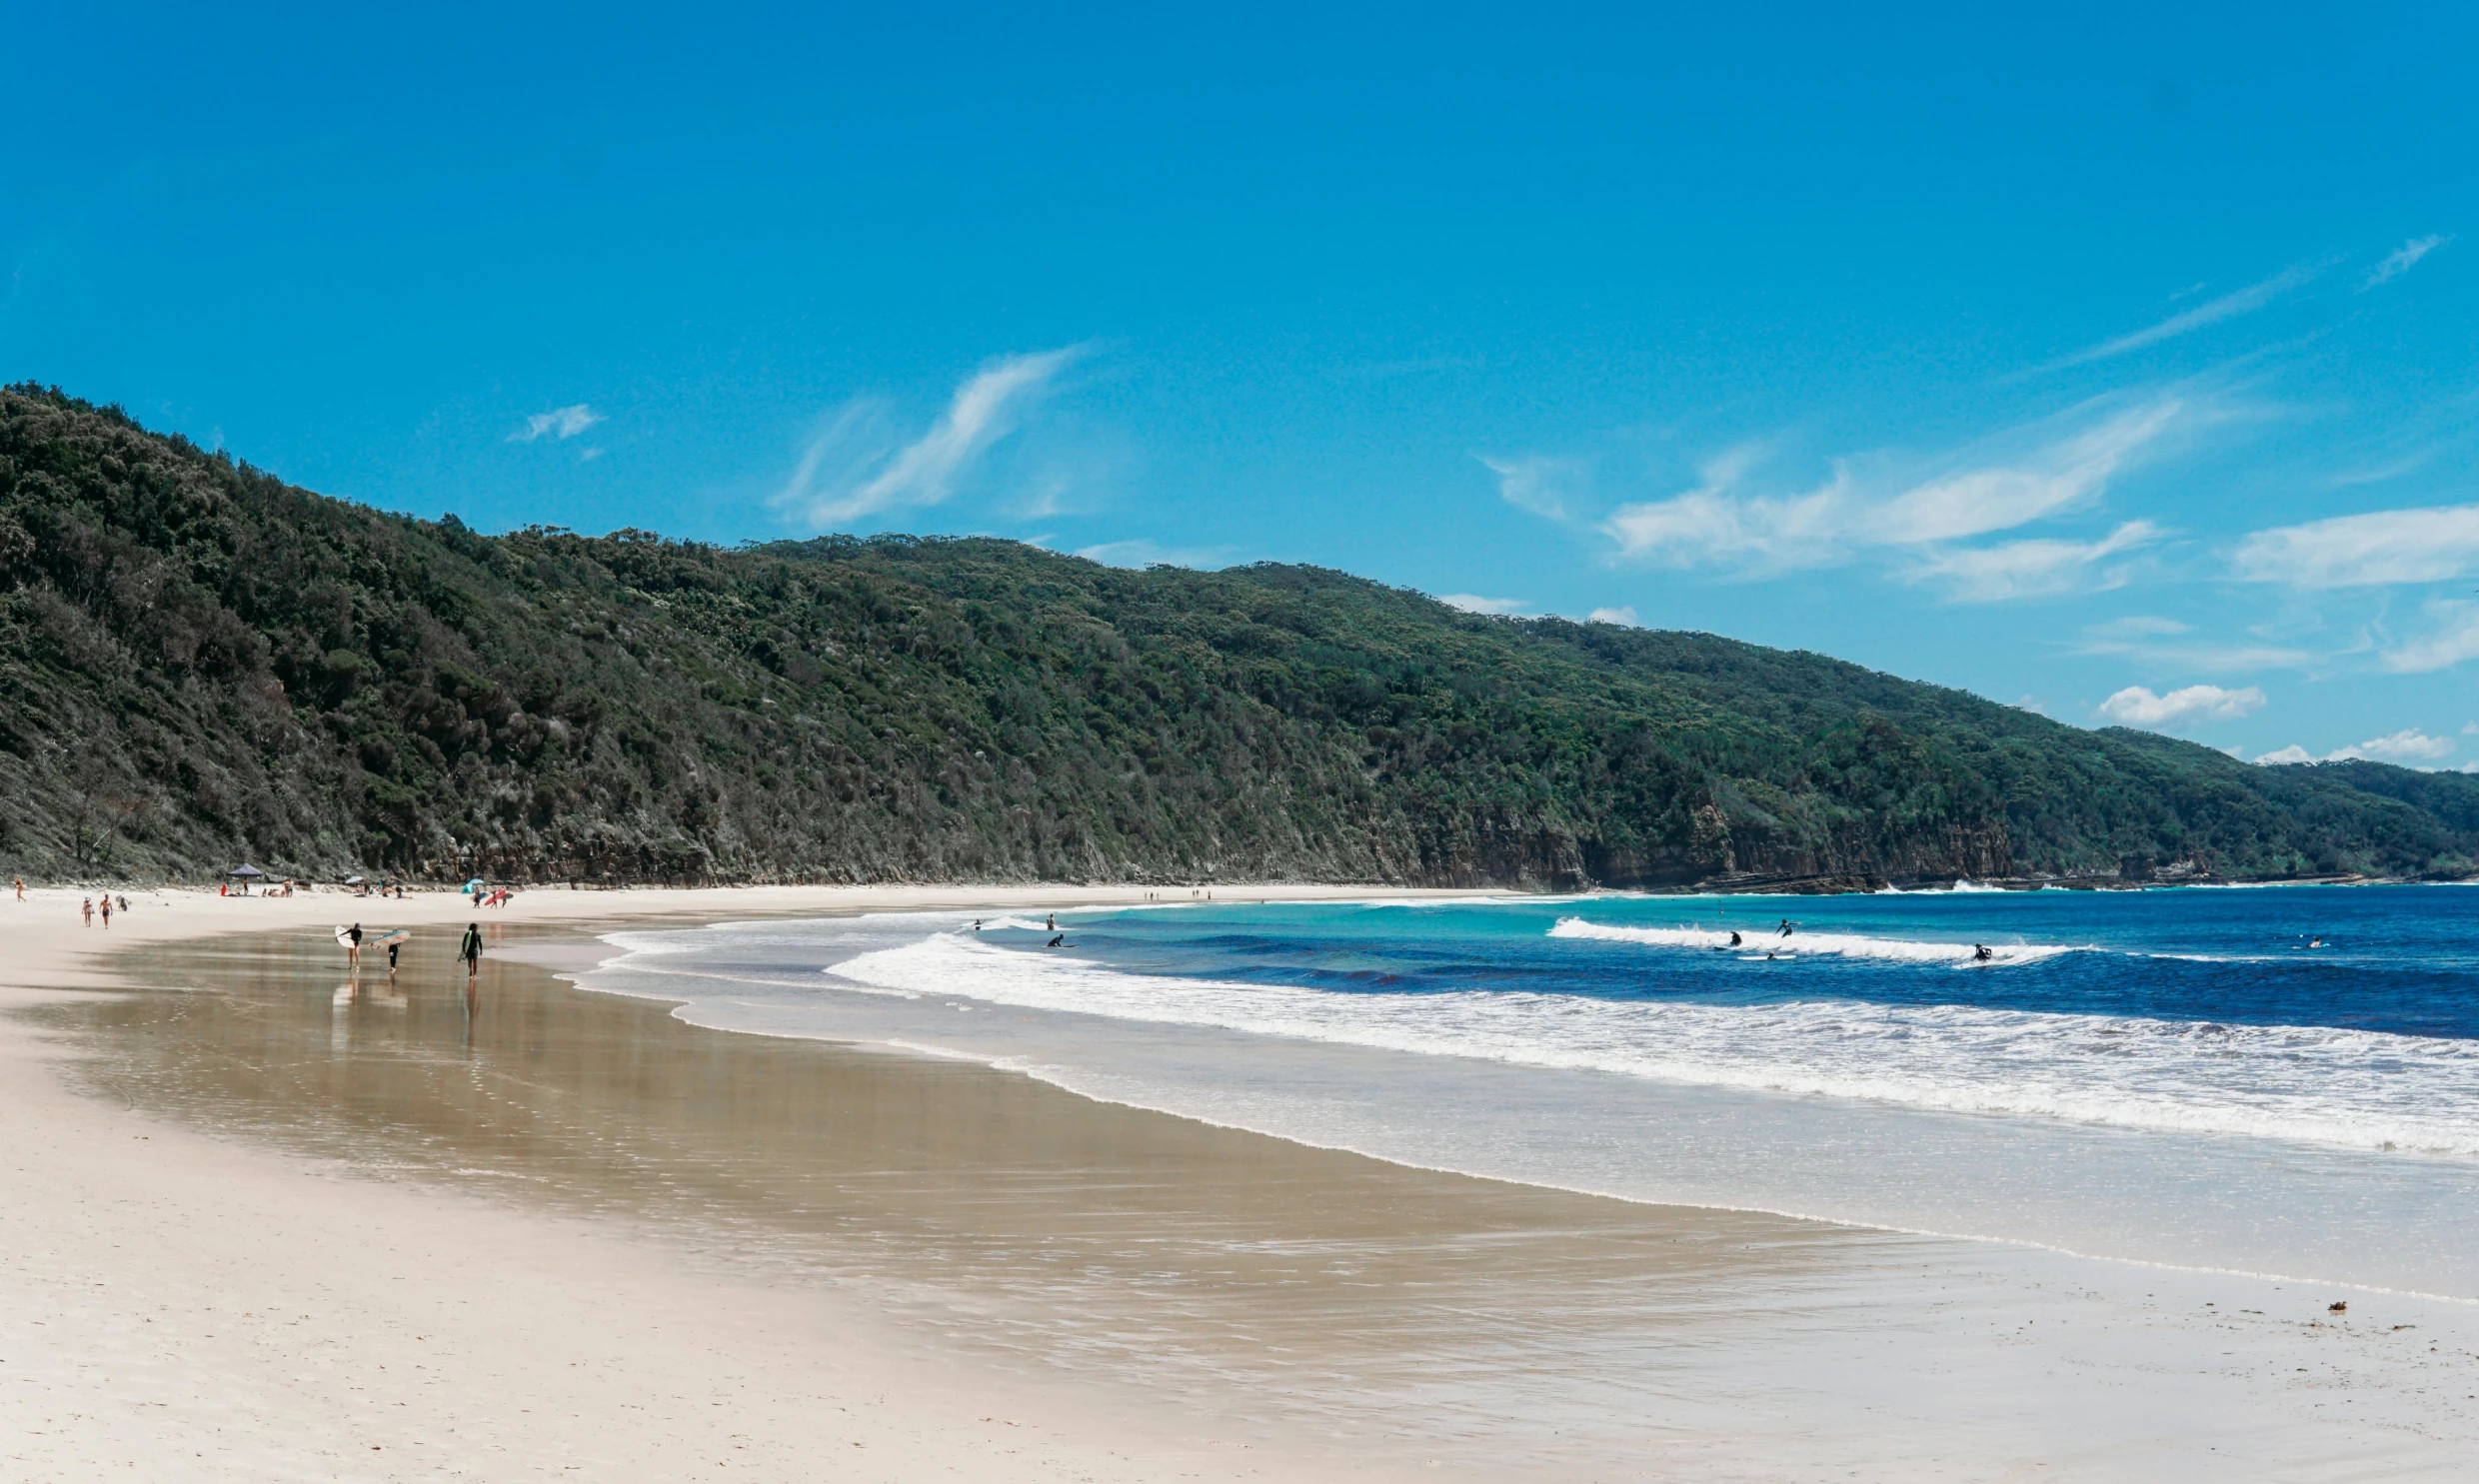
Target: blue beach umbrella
473 885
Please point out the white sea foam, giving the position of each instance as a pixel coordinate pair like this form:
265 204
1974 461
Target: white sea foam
1841 945
2320 1084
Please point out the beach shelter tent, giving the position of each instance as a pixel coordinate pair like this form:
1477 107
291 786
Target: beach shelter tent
473 885
248 873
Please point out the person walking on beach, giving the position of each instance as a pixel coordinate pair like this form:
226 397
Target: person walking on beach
87 908
107 909
471 949
393 946
352 946
21 888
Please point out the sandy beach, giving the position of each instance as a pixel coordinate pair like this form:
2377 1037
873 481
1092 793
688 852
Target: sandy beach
268 1222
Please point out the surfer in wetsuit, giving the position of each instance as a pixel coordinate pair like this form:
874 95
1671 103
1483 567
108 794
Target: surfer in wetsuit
470 949
1058 941
1980 953
1733 940
353 946
1787 926
392 947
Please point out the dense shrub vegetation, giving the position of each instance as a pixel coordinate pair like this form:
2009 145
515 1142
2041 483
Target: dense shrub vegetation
199 662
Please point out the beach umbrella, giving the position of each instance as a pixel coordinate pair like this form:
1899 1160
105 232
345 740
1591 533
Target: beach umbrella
474 885
247 872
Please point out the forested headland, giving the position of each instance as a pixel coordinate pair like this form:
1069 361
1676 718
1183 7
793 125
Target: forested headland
200 664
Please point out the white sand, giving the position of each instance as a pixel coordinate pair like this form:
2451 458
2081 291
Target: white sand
176 1306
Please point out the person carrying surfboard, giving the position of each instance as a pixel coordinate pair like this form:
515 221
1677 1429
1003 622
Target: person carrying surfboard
471 949
395 942
353 946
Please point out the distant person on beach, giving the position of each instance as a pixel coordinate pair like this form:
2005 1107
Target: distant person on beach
87 906
471 949
392 947
353 946
124 904
107 909
21 888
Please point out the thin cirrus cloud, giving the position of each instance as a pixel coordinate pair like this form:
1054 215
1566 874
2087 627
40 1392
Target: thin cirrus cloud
2169 645
1143 552
2137 705
1544 487
2380 547
2402 259
558 424
854 467
2031 475
1625 617
2409 746
2454 638
2036 569
1474 602
2211 312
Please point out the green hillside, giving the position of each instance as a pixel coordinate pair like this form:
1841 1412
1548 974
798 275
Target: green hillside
199 662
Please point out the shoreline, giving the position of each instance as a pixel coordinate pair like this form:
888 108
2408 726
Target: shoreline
187 1212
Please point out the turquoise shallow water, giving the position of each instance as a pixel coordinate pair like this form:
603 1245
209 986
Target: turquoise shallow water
2275 1081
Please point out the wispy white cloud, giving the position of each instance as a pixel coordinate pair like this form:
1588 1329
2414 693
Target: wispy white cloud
2454 638
1474 602
2049 470
2166 644
1145 553
2409 745
851 468
1544 487
2035 569
2433 544
559 422
2211 312
2136 706
2402 259
1623 617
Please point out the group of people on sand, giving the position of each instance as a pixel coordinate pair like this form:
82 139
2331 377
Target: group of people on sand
86 906
468 950
496 897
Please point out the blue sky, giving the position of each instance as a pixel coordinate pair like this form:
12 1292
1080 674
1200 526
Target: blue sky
2116 363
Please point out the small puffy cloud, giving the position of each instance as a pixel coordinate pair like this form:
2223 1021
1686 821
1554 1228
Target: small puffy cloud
1548 488
2035 569
852 468
2136 706
2409 745
1623 617
560 423
2434 545
2403 259
1474 602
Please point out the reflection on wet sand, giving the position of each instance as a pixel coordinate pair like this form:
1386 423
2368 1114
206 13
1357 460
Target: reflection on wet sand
1213 1284
1244 1275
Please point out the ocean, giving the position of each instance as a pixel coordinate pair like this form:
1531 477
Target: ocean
2280 1081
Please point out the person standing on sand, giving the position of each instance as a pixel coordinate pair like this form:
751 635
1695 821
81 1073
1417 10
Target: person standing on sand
21 888
471 949
352 946
107 909
392 947
87 908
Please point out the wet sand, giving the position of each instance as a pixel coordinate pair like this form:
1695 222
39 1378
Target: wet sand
1189 1299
